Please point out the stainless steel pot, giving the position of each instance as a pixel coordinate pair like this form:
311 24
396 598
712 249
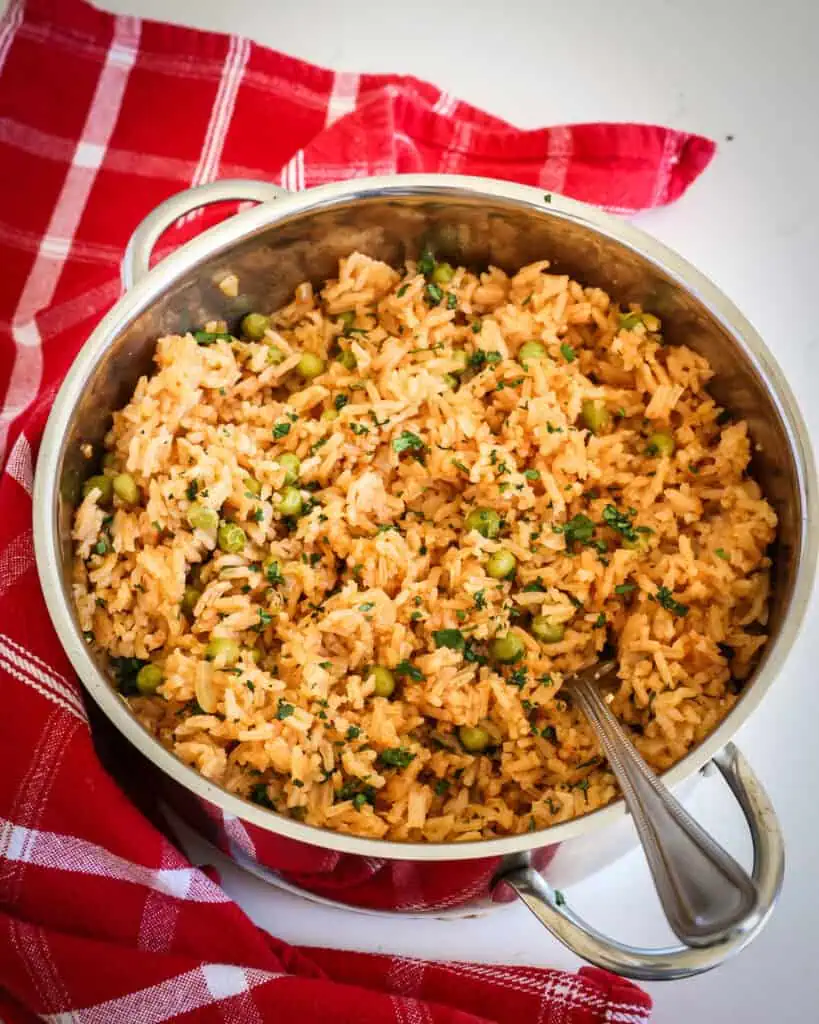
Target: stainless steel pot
290 238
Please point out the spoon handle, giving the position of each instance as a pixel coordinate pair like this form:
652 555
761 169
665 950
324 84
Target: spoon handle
704 892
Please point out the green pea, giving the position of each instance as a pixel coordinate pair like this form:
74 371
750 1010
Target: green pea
190 599
230 538
531 350
383 680
485 520
291 464
148 679
506 648
254 326
450 380
547 630
501 564
443 273
473 738
126 489
461 359
347 359
223 648
329 415
290 503
252 485
103 484
661 444
275 355
203 518
347 319
596 416
310 365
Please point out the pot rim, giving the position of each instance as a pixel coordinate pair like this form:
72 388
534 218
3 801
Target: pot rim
220 239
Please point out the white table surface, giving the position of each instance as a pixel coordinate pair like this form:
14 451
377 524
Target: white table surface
742 69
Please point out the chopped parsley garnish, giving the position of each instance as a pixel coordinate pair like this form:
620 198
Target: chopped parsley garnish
665 599
126 671
476 326
355 791
535 587
340 401
322 441
366 607
547 198
406 668
402 291
480 358
208 337
352 733
192 490
722 553
284 710
359 429
426 263
451 638
265 618
579 528
600 621
620 521
451 300
460 465
560 899
518 677
257 515
326 665
259 795
480 600
250 685
568 352
441 787
281 430
473 653
433 293
532 474
549 733
273 573
407 442
102 547
396 757
625 588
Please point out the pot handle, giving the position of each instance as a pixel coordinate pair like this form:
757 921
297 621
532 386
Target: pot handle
136 261
678 961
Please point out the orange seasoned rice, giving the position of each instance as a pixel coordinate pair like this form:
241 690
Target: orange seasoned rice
424 412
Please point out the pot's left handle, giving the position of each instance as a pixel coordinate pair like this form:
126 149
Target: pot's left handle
136 261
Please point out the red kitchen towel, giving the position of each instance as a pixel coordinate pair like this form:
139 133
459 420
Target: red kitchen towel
102 920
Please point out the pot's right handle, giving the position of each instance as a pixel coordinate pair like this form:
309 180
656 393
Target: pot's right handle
677 961
136 261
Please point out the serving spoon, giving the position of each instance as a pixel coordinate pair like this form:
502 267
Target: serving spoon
704 892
